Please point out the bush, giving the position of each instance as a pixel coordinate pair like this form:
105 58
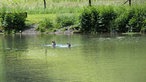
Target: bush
131 20
66 20
109 19
94 20
46 24
89 20
137 22
121 22
13 21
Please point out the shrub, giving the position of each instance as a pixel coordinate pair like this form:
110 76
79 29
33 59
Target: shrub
60 22
46 24
121 22
107 17
66 20
13 21
86 18
131 20
89 20
137 21
143 29
94 20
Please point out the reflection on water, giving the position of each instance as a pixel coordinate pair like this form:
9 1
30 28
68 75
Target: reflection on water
30 58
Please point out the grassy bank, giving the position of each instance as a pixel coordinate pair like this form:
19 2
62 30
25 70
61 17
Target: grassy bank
59 21
57 6
36 18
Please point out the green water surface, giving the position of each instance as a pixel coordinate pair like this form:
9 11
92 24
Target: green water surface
30 58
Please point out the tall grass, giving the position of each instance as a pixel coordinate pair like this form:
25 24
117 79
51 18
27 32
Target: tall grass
57 6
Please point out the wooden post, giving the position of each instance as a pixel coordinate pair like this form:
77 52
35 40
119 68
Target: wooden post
44 4
129 2
89 2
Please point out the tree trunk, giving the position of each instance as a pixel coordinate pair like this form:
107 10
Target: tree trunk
44 4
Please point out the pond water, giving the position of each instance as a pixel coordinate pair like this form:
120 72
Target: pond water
31 58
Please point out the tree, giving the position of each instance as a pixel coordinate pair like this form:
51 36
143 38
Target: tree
44 4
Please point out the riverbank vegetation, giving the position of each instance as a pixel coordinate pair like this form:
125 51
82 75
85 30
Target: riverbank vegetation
76 14
13 22
62 21
104 19
113 19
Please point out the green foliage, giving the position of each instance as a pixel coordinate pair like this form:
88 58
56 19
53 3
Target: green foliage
53 6
121 22
131 20
107 16
66 20
94 20
86 20
109 19
13 22
46 24
57 6
137 21
61 21
89 20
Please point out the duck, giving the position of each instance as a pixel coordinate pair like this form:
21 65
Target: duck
53 44
68 45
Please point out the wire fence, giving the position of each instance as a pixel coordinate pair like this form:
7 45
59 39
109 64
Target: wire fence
97 2
117 2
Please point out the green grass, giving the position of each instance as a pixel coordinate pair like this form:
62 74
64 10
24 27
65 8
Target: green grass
36 18
57 6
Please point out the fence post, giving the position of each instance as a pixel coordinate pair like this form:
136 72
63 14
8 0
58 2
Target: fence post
89 2
129 2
